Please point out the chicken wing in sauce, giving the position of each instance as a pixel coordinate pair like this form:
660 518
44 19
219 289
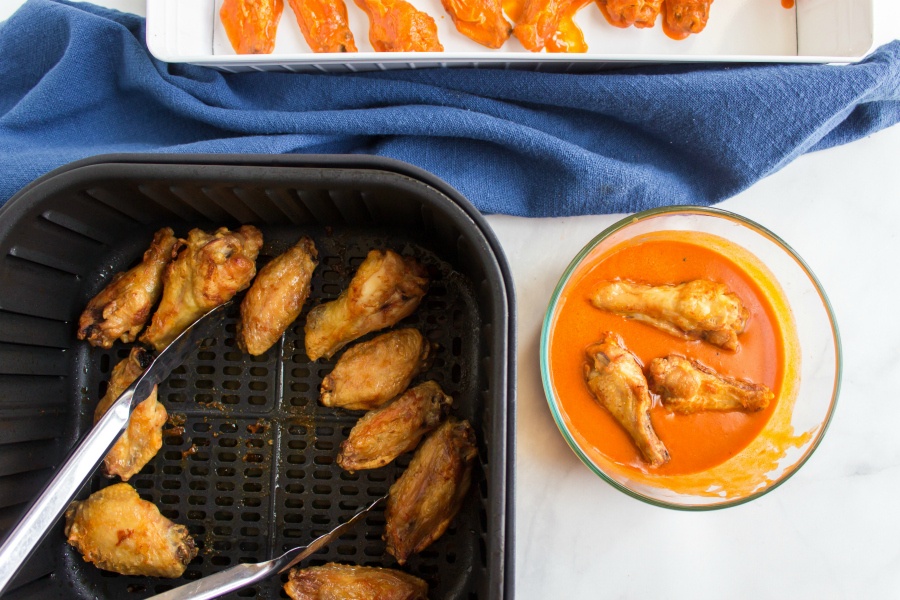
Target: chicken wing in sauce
123 307
324 25
398 26
624 13
370 373
333 581
208 270
385 289
687 386
142 437
425 499
118 531
698 310
539 25
251 25
383 434
684 17
276 297
480 20
616 380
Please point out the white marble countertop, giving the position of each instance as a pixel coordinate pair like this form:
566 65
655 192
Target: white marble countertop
832 530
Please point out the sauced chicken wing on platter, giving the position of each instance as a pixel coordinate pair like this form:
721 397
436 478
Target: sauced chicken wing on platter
370 373
209 270
687 386
324 25
425 499
616 380
276 297
398 26
684 17
480 20
625 13
118 531
383 434
385 289
251 25
120 311
334 581
699 309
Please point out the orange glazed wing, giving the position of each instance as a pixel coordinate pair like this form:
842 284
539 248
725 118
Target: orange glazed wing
687 386
333 581
480 20
624 13
684 17
324 25
397 26
251 24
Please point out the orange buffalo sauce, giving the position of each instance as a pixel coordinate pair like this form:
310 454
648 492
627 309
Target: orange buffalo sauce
695 442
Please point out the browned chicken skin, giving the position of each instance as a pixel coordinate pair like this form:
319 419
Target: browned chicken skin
123 307
624 13
370 373
333 581
397 26
275 299
142 437
209 270
617 382
324 25
118 531
684 17
385 289
687 386
383 434
480 20
425 499
698 310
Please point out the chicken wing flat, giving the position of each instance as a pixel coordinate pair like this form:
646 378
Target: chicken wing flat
616 380
684 17
697 310
539 22
385 289
480 20
398 26
276 297
425 499
118 531
324 25
208 270
625 13
251 25
120 311
333 581
383 434
687 386
142 437
370 373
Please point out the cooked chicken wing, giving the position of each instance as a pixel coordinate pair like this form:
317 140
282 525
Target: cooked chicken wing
684 17
425 499
324 25
251 25
568 36
615 379
370 373
398 26
118 531
345 582
208 270
142 437
698 309
385 289
480 20
276 297
539 22
624 13
124 305
687 386
383 434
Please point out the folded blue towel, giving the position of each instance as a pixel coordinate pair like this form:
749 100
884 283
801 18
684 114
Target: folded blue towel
77 80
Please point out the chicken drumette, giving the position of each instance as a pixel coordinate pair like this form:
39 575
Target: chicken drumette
251 25
480 20
398 26
684 17
687 386
334 581
324 25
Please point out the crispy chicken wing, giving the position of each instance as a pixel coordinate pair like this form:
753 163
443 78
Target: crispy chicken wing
124 305
698 309
615 379
687 386
398 26
480 20
251 25
142 437
333 581
385 289
370 373
208 270
324 25
624 13
684 17
425 499
118 531
383 434
276 297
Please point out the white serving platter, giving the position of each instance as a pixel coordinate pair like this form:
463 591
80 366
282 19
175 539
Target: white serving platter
813 31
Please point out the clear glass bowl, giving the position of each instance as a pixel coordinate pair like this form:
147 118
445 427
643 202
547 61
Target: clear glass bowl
809 393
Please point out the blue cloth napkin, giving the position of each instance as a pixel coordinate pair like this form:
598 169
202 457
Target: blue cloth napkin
77 80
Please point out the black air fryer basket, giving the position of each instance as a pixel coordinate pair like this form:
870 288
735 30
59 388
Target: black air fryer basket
248 457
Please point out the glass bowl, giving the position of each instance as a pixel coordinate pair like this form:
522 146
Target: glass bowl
809 354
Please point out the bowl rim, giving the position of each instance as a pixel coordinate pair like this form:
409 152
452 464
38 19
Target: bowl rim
551 310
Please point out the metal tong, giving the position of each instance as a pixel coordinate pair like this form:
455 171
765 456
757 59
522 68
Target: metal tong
81 462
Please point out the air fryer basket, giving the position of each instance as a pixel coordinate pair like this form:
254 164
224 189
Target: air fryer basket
247 461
